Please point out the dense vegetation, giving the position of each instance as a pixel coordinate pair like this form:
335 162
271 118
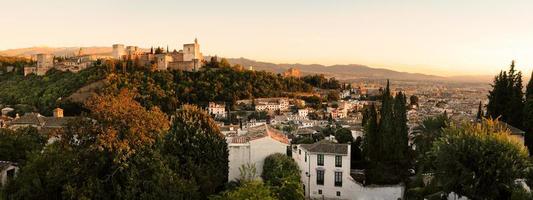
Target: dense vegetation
282 174
172 88
320 81
17 62
196 150
528 113
18 145
44 93
425 134
166 89
386 140
479 161
124 151
508 102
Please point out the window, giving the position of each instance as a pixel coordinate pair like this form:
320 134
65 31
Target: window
305 157
338 193
338 161
320 159
319 191
320 177
10 174
300 151
338 179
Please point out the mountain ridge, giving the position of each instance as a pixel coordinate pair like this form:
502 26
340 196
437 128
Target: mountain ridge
341 72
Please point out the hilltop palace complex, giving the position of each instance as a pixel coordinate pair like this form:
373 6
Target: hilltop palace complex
188 59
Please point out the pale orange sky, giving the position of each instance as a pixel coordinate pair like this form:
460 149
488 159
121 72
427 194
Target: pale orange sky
435 37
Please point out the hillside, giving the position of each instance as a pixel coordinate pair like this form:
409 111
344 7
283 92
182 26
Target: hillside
341 72
351 71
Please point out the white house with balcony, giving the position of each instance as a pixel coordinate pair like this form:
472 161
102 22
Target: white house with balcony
326 174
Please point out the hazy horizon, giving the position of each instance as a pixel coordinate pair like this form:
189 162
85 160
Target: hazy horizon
451 38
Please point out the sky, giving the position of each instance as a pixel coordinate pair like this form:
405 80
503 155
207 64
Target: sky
448 37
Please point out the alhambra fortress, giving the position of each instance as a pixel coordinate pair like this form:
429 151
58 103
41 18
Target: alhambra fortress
187 59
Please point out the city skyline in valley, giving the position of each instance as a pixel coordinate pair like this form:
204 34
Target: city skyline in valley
452 38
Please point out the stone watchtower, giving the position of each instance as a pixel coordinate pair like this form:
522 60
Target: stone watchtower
118 51
45 62
191 53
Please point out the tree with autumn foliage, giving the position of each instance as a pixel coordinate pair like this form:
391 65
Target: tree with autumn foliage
110 154
124 124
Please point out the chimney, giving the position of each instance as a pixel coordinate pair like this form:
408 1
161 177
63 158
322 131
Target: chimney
58 113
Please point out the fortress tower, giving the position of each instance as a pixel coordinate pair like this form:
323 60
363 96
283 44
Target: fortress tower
45 62
118 51
191 52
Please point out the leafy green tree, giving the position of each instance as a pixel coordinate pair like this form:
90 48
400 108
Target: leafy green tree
479 161
46 92
344 135
194 146
114 154
425 134
251 190
282 174
17 145
333 95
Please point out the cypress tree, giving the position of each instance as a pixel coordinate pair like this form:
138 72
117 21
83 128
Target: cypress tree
371 142
386 140
528 115
506 97
529 87
401 143
386 126
400 124
479 112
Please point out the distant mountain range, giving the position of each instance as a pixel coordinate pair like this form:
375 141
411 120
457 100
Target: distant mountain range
57 51
341 72
354 71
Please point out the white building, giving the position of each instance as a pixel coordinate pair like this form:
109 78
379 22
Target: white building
272 104
303 112
253 148
326 174
218 110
